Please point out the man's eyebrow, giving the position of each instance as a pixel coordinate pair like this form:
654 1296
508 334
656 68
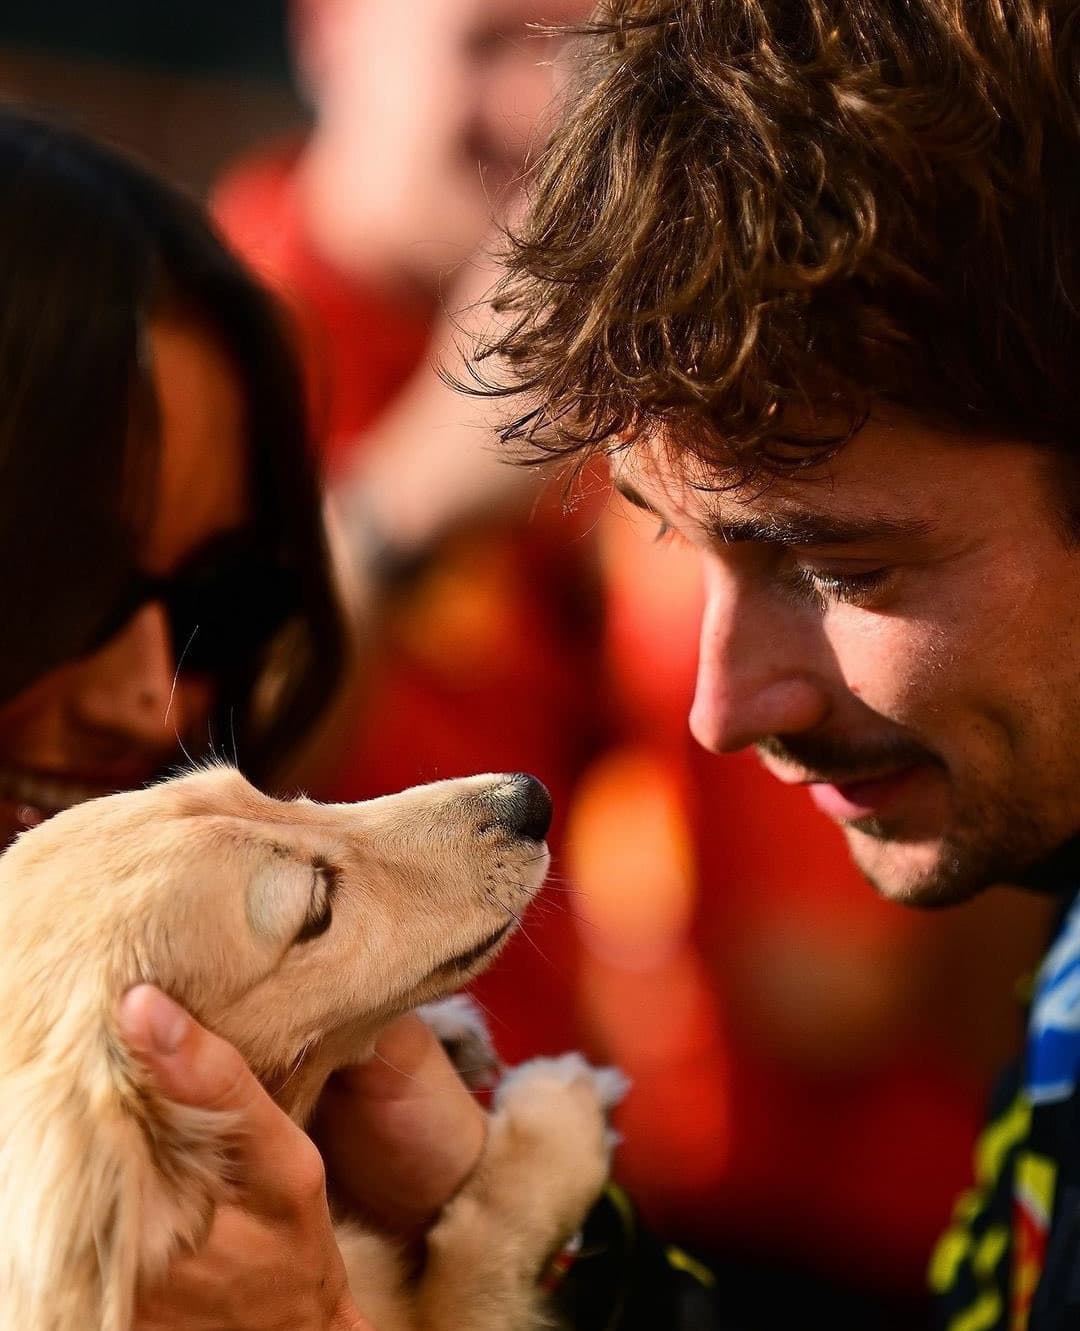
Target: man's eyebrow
798 526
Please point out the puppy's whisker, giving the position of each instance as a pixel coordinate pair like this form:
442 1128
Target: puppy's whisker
532 941
297 1064
557 876
176 675
192 764
493 1018
483 1007
381 1058
587 924
430 1093
549 908
573 910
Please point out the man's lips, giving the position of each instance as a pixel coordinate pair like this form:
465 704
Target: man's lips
849 796
847 801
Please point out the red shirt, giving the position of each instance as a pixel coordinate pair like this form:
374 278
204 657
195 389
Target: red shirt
490 661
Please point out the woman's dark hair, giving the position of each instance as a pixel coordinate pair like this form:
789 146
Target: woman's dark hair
92 248
758 217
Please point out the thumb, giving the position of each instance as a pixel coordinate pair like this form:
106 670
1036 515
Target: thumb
189 1063
277 1163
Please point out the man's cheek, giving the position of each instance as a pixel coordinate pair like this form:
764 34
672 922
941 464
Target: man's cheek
897 670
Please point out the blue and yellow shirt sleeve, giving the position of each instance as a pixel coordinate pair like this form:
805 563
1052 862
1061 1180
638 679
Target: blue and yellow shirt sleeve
1010 1261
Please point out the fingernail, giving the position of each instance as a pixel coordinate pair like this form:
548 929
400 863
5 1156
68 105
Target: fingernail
151 1021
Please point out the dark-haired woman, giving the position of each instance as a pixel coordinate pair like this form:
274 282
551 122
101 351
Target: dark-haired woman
165 589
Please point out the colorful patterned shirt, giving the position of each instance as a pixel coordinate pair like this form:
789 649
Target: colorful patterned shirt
1011 1259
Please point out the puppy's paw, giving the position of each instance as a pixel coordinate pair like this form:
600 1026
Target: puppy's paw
545 1162
461 1030
541 1078
549 1144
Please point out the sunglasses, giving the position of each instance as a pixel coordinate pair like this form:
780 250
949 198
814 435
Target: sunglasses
223 606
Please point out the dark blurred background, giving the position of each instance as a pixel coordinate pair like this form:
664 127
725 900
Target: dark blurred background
187 85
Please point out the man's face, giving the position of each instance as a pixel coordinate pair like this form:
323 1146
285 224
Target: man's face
900 631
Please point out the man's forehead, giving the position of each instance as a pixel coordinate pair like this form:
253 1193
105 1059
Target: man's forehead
780 510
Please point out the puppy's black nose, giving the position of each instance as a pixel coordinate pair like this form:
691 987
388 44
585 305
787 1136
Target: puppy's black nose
523 806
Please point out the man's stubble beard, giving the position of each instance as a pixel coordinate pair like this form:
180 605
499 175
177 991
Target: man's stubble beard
970 857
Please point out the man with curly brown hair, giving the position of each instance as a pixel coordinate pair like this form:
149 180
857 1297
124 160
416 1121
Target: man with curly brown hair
806 272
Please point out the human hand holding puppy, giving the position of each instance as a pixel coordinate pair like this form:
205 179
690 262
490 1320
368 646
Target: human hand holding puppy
293 929
400 1136
400 1133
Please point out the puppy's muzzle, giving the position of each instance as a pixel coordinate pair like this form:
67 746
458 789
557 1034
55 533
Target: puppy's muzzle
522 806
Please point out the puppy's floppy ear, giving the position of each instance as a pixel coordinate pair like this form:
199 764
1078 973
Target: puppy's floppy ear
288 897
182 1171
102 1181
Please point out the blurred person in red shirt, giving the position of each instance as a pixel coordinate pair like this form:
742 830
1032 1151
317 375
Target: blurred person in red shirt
487 651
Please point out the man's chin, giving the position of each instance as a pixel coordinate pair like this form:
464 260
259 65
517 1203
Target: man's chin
926 874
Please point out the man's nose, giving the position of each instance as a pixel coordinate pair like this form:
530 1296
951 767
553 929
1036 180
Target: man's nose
128 685
757 666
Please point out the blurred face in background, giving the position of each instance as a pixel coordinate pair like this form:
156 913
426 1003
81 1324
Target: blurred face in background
114 718
425 112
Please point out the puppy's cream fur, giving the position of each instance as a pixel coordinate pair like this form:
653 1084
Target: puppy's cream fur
296 931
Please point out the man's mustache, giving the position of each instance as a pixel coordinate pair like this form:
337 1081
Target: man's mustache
836 760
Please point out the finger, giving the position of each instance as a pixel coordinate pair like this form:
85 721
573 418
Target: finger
278 1167
400 1132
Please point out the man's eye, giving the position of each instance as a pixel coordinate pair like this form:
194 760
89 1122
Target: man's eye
851 588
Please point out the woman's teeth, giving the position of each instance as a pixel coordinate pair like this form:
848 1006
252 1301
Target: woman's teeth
44 795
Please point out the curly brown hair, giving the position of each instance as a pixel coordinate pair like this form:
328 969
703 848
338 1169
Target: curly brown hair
759 217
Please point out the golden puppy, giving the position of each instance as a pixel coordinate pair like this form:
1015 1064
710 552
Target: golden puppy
295 930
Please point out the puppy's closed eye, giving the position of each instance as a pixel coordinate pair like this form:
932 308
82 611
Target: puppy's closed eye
320 912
